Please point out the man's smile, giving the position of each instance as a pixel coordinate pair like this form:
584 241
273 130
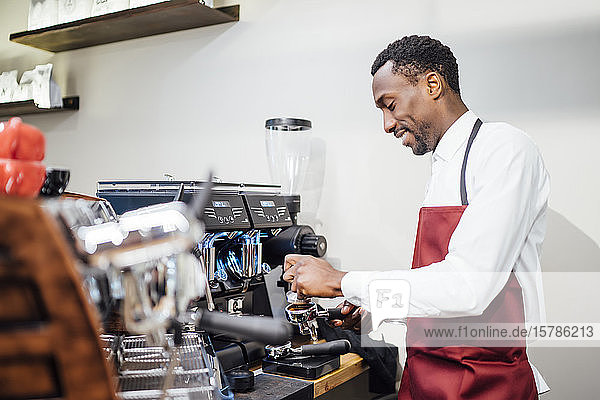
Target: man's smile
402 134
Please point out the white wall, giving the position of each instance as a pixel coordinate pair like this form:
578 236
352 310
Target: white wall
187 101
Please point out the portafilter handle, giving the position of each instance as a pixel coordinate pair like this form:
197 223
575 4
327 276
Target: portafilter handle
262 329
331 313
335 347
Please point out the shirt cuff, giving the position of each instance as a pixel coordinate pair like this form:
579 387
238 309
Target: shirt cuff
355 288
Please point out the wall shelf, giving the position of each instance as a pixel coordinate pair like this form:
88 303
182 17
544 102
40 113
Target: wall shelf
167 16
18 108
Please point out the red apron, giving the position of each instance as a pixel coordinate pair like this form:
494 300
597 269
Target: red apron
463 370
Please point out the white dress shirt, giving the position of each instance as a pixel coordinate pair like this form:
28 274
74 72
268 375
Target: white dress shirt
500 231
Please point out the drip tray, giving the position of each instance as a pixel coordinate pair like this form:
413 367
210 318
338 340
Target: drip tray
305 367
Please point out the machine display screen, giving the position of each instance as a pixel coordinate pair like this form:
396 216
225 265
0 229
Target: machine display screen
267 203
222 203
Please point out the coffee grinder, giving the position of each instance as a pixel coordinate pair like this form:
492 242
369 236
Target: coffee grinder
288 143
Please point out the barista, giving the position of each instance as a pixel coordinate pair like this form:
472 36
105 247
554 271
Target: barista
484 211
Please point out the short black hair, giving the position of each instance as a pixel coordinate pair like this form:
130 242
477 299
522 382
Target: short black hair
416 55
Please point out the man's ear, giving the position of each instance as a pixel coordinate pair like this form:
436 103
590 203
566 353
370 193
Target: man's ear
433 84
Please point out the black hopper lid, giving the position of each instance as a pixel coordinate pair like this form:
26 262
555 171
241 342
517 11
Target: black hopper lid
288 124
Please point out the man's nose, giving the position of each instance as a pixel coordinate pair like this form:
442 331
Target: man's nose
389 123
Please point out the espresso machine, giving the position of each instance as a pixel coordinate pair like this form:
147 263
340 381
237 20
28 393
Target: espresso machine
248 231
141 264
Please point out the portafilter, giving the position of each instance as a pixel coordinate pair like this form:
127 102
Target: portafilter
303 312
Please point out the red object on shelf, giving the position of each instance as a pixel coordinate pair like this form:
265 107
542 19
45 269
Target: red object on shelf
22 147
21 178
21 141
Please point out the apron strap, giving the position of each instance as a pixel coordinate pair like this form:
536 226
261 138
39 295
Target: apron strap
463 186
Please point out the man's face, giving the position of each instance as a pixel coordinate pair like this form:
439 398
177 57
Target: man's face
407 109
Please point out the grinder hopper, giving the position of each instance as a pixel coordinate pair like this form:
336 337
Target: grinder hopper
288 152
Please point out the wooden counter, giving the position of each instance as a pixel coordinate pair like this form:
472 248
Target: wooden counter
351 365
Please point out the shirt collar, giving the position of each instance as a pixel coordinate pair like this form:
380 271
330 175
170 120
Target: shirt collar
455 136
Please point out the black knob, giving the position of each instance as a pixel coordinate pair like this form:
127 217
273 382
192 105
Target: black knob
56 182
314 245
241 379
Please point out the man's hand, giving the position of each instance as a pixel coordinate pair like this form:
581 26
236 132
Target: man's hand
312 276
356 318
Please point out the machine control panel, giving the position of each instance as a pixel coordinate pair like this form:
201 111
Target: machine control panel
226 213
267 211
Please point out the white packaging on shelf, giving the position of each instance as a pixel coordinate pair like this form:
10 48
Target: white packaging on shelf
37 84
46 93
100 7
42 13
72 10
8 84
25 89
142 3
